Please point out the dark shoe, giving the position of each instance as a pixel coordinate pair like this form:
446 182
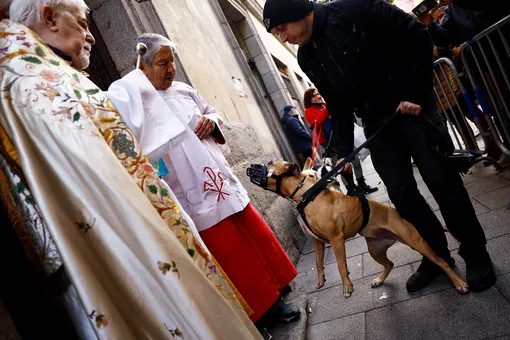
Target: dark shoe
426 273
287 312
365 187
480 275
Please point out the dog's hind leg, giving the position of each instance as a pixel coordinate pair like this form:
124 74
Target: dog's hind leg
408 234
377 248
319 261
338 246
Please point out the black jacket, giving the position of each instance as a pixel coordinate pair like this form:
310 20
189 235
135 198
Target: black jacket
299 136
466 18
366 56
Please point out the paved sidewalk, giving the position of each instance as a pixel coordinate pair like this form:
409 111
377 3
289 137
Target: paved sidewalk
390 312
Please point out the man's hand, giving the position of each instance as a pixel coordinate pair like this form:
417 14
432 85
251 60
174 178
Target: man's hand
347 168
426 19
204 128
408 108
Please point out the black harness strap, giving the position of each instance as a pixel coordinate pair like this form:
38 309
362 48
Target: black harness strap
299 186
365 208
318 187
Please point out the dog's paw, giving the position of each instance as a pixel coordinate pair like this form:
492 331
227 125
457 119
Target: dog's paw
462 289
348 291
377 283
320 282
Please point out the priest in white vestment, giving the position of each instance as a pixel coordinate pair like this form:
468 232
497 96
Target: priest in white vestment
72 169
199 175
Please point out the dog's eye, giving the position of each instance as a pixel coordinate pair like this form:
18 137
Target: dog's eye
270 163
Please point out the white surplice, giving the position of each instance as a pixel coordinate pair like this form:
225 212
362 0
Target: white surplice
132 275
199 174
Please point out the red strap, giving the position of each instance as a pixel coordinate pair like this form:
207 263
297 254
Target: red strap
315 142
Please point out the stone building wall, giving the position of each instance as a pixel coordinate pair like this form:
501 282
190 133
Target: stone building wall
279 214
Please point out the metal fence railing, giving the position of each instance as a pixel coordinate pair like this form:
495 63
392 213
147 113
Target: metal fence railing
461 113
486 60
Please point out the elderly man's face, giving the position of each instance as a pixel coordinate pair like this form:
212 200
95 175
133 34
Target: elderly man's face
162 72
73 35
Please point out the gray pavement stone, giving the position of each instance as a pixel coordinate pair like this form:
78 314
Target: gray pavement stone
353 247
488 184
308 248
444 315
400 254
495 223
432 203
505 174
498 250
439 217
425 192
305 282
479 172
479 208
383 198
330 304
348 328
495 199
394 288
307 262
503 285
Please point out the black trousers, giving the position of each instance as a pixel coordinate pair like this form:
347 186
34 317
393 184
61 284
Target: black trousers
419 137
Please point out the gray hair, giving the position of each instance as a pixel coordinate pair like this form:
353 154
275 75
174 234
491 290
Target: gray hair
28 12
153 42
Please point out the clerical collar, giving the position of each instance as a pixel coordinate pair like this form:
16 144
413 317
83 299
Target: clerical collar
62 55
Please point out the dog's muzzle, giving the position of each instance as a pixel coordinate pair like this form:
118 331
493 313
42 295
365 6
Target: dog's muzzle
258 175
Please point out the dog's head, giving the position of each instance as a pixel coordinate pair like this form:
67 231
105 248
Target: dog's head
270 176
279 169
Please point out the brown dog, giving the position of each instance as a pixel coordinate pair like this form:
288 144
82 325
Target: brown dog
337 217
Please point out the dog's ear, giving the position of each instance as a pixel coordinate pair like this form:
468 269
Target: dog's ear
293 169
308 164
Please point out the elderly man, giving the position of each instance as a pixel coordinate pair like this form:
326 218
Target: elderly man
74 178
198 173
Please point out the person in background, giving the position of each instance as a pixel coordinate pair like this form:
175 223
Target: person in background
451 24
298 134
318 116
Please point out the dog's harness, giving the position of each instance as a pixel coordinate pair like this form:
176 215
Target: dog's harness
259 175
365 208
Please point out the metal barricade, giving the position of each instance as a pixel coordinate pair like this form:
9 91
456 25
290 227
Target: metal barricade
448 89
486 59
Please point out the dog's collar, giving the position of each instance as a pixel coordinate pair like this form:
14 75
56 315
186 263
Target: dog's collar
299 186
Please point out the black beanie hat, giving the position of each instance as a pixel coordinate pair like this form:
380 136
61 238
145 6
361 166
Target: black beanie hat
277 12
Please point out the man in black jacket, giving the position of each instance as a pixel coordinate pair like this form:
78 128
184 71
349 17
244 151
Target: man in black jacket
370 57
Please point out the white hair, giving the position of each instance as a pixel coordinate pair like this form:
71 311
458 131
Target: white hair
153 42
28 12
